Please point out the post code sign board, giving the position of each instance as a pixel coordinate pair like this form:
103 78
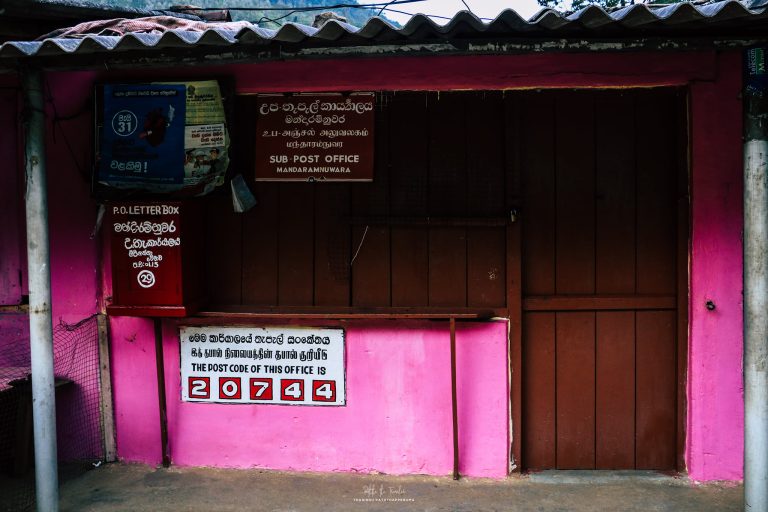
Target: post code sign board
309 137
263 365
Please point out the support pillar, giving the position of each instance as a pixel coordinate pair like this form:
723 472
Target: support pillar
756 283
40 325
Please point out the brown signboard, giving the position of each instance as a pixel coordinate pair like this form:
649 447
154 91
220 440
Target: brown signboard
308 137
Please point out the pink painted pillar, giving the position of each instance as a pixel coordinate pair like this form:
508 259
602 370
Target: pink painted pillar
715 393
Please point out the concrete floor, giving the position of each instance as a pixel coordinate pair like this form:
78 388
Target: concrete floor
124 487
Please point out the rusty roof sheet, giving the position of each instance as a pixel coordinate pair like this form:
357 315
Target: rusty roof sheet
728 18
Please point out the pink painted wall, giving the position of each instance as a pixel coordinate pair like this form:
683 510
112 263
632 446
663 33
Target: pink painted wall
74 258
75 264
442 73
715 392
14 346
75 290
419 441
397 419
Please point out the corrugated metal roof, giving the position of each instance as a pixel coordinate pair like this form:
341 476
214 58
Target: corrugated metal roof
729 18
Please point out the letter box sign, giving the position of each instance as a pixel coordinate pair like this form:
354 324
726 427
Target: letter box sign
155 269
308 137
258 365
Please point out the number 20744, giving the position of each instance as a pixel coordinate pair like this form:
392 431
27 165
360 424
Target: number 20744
263 389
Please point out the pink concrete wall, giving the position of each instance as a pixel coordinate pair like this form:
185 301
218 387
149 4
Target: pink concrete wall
14 346
397 419
134 387
75 287
715 392
75 290
442 73
74 255
714 433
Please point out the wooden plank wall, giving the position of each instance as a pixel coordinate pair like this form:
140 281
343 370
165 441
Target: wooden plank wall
437 156
599 174
11 218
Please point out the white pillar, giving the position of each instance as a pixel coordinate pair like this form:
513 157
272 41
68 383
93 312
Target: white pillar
40 326
755 283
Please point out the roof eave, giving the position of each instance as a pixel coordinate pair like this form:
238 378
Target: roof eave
216 55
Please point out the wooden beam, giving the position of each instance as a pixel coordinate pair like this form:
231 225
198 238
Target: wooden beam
598 302
105 380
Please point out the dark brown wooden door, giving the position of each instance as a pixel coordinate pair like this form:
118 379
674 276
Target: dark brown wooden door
601 192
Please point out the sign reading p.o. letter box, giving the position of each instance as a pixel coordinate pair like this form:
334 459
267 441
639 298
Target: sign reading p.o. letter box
156 258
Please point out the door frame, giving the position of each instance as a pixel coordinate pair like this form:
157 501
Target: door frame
514 281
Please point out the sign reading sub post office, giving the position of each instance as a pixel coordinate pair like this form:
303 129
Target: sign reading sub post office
315 137
263 365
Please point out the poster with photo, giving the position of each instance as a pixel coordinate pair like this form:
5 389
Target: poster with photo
163 138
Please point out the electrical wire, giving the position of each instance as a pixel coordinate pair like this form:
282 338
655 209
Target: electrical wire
414 14
56 124
430 15
468 7
274 20
359 246
294 10
385 6
301 9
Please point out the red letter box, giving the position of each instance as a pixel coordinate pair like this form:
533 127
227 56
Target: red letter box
156 258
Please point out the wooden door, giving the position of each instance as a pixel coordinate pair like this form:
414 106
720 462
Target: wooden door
602 267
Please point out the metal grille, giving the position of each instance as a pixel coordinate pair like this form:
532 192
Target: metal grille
78 409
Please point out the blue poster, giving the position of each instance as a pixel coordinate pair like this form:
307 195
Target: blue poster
142 140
